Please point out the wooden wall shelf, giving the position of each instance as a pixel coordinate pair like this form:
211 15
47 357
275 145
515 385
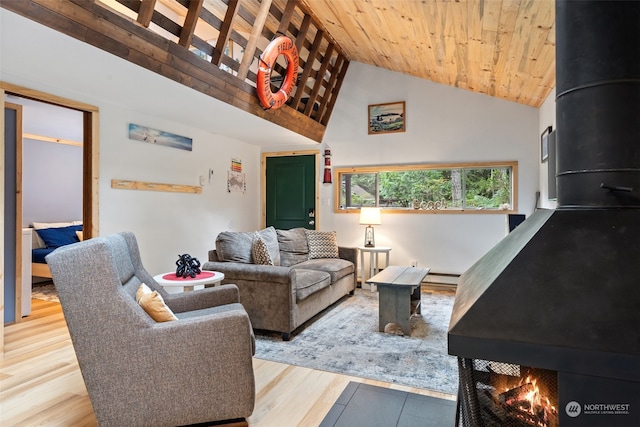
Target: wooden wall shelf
154 186
52 139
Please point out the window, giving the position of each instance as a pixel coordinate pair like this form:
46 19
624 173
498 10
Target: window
477 188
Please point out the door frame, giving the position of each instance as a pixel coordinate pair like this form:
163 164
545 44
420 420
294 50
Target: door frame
90 172
263 180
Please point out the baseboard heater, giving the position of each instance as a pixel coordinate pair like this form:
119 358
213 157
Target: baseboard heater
448 279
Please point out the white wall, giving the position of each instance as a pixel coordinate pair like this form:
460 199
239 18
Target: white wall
166 224
52 182
169 224
444 125
51 173
547 117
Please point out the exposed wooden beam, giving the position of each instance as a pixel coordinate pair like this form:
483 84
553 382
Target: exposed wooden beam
286 16
333 96
319 79
330 86
302 34
302 82
190 22
250 49
146 12
225 32
95 23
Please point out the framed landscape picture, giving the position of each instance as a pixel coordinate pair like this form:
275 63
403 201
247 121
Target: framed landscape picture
387 118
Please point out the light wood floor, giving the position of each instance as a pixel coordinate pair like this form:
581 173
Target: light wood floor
41 384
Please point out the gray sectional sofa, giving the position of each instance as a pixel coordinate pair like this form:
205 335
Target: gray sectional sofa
285 277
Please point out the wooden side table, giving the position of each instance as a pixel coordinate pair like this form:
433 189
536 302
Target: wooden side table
374 267
173 283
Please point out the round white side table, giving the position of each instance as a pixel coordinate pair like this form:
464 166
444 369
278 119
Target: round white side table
174 284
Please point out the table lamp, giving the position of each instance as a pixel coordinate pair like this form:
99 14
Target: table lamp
369 217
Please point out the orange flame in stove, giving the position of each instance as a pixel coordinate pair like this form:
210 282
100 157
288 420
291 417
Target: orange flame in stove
529 400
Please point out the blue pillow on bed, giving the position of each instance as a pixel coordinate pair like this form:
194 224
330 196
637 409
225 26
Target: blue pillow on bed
59 236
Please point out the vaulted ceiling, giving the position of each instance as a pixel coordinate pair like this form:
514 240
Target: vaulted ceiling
502 48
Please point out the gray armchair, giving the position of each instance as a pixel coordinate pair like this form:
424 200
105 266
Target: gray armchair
141 373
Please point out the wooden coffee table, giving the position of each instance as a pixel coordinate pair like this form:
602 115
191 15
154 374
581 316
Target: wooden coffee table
399 295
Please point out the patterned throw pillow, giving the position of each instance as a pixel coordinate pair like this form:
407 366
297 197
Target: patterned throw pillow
153 304
260 251
322 244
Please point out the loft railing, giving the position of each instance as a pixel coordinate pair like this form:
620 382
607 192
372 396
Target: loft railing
232 34
212 46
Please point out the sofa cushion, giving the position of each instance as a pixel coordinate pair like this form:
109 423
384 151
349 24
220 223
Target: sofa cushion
309 282
260 252
235 246
293 246
322 244
337 268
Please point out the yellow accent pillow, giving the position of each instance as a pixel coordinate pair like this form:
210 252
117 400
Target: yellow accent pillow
153 304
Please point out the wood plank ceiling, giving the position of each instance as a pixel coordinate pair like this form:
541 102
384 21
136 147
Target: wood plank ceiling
502 48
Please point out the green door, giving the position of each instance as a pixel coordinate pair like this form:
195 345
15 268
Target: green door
291 192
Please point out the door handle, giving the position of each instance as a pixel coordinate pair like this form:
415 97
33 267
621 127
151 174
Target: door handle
312 222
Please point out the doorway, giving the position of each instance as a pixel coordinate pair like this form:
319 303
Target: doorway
290 189
90 121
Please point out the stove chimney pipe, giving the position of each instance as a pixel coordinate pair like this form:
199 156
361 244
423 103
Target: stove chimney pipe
598 104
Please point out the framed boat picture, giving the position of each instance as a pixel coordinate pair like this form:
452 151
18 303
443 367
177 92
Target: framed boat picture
387 118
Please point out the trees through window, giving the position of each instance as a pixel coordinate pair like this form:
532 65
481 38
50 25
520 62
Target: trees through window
458 187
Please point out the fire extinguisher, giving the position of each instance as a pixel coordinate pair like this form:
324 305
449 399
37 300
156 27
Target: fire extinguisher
327 167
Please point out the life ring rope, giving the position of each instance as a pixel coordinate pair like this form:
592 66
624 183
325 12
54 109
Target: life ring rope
280 45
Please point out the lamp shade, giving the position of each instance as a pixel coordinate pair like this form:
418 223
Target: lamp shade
370 216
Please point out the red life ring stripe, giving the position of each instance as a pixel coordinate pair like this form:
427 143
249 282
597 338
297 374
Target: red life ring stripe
281 45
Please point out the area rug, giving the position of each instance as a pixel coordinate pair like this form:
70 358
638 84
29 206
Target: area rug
44 291
345 339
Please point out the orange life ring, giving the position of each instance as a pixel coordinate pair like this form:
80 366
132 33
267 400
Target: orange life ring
281 45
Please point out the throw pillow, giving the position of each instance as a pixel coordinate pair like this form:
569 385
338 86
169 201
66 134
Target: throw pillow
322 244
37 241
270 238
60 236
260 252
294 247
153 304
236 246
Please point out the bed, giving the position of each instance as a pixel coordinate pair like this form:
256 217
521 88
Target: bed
47 237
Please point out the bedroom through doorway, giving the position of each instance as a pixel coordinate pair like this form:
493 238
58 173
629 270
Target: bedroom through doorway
58 183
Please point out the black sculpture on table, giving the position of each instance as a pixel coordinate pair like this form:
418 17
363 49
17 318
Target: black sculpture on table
187 266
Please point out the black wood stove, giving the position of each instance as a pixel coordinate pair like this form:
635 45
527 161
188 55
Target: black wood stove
546 325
